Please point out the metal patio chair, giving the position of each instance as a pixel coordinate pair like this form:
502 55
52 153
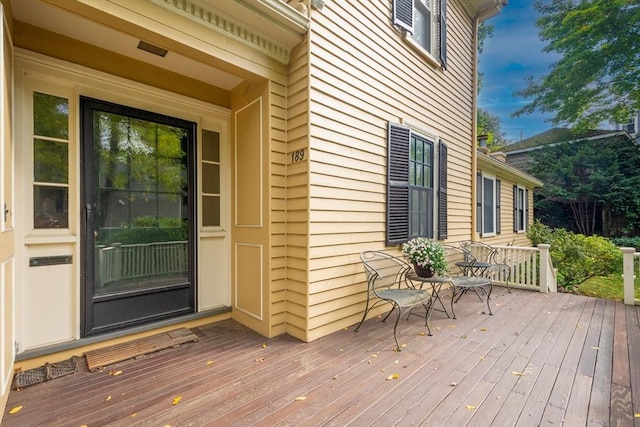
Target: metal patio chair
387 283
498 269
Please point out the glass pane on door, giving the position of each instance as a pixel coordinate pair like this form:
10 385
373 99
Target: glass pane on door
141 227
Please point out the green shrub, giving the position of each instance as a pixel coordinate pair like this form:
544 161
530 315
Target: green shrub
539 233
575 256
627 241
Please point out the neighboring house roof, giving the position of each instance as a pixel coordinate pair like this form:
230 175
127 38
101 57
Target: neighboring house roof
519 154
556 136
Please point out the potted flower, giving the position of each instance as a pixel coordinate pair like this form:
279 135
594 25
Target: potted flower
428 256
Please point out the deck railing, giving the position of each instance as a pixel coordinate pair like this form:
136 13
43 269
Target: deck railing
120 262
530 268
630 264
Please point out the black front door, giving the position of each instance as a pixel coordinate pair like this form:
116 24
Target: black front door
138 251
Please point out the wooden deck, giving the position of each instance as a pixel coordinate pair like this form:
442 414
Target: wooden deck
540 360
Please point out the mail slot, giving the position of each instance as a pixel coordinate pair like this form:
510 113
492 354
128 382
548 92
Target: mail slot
49 260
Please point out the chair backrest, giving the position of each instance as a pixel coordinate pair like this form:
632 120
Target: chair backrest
384 270
459 254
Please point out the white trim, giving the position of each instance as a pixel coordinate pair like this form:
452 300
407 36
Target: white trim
75 81
283 17
493 179
525 202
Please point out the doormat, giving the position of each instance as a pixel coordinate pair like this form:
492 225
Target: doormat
48 372
98 359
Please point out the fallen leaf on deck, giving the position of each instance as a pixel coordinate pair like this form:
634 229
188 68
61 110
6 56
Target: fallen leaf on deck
483 329
210 362
176 400
481 357
595 348
108 398
300 398
464 337
636 415
264 346
453 384
134 415
393 377
520 374
260 359
470 407
422 333
15 409
115 373
452 326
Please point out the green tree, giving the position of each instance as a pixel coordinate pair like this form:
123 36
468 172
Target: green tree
591 176
490 125
598 76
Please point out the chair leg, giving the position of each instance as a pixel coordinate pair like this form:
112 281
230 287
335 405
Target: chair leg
395 327
488 298
364 316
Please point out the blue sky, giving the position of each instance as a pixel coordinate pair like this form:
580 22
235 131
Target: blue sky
514 52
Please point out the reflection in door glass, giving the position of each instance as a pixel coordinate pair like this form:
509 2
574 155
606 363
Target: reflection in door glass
141 192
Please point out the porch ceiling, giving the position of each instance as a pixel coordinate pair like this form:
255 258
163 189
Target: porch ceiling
60 21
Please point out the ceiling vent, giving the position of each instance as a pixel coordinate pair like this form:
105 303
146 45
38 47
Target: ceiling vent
148 47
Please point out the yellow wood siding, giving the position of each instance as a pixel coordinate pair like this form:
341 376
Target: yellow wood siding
277 210
363 75
297 194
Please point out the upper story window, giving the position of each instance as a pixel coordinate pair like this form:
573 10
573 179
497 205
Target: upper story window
425 21
417 186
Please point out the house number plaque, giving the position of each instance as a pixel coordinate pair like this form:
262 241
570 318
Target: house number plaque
297 156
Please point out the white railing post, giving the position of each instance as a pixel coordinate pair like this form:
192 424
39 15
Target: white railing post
628 275
546 276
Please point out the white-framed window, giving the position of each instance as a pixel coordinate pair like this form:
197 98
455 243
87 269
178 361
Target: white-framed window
425 24
488 205
417 185
520 209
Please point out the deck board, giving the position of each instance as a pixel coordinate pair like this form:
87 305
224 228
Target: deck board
539 360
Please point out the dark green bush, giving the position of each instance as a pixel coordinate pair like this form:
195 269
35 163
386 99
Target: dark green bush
575 256
627 242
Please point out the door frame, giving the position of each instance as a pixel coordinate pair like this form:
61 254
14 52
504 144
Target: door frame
158 302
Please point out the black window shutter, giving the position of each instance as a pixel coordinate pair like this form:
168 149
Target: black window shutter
443 33
479 203
398 184
442 191
515 208
403 14
498 206
525 226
